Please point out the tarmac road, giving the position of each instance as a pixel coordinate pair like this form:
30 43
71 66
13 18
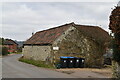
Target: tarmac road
0 67
12 68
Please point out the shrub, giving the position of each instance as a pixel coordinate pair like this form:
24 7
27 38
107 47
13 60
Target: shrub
5 51
19 49
0 50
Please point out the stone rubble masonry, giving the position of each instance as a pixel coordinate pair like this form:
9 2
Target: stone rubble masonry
74 43
37 52
71 43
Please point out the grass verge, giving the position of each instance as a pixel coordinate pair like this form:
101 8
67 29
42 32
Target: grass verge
18 53
36 63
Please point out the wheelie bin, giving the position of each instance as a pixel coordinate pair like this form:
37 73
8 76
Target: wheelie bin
64 62
71 62
79 62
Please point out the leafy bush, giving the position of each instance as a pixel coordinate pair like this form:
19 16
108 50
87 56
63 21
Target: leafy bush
116 49
19 49
5 51
0 50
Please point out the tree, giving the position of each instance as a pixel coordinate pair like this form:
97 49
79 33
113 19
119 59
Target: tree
115 27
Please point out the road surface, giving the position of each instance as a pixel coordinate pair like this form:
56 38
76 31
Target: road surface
0 68
12 68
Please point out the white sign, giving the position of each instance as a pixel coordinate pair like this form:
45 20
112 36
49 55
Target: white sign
55 48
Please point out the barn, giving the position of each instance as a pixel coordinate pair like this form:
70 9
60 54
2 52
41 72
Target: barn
71 39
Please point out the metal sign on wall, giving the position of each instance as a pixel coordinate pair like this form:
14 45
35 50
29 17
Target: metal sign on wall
55 48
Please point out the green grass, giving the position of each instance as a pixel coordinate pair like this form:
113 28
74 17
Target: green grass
36 63
18 53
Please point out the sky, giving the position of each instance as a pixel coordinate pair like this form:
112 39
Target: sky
20 19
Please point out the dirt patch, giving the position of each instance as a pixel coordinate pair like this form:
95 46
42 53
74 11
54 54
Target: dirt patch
107 72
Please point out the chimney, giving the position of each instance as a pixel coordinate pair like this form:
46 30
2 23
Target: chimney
32 33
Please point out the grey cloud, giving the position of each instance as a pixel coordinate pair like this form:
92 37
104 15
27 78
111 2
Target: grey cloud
23 18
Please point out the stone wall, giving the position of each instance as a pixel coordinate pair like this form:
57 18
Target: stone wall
71 43
37 52
74 43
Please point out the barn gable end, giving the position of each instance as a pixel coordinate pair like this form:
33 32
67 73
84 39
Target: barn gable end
68 40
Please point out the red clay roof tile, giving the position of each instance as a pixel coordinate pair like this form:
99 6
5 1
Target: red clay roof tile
47 36
50 35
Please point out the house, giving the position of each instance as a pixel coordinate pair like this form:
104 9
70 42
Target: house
70 39
11 45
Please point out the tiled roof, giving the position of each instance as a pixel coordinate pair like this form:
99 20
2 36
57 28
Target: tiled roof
9 42
50 35
94 32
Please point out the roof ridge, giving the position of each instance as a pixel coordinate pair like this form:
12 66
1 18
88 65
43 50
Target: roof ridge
77 25
86 25
64 25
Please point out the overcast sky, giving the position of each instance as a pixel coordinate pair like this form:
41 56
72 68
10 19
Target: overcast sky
20 19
